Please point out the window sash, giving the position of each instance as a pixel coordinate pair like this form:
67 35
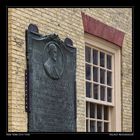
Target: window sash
98 82
115 112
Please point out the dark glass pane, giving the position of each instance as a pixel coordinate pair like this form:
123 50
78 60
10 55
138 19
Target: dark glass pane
95 74
102 76
109 78
99 126
88 54
92 126
88 72
102 59
95 57
105 127
87 109
102 91
99 112
88 89
92 110
109 62
109 94
86 125
95 91
105 113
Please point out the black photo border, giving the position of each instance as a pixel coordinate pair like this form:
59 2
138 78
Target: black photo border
5 4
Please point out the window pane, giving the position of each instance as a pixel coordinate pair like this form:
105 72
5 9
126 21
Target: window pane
102 76
99 112
88 89
102 91
88 54
105 113
95 91
92 110
99 126
109 78
86 125
87 109
88 72
92 126
105 127
109 62
102 59
95 74
95 57
109 94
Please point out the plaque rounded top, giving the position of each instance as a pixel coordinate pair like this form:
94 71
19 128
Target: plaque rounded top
68 42
33 28
53 60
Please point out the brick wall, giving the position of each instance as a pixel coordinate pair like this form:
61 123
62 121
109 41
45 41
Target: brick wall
66 22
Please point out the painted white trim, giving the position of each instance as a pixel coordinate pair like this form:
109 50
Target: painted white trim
115 106
93 40
99 102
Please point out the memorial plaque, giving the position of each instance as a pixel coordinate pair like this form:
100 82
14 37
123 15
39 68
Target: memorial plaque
51 65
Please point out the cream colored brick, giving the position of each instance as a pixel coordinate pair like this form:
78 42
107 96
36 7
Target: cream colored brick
70 21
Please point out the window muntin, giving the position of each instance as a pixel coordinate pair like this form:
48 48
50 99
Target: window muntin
100 80
97 118
99 73
114 106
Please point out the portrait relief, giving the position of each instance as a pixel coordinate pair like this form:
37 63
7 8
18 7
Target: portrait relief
53 60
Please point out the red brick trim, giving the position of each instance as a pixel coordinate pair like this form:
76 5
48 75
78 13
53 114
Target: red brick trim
99 29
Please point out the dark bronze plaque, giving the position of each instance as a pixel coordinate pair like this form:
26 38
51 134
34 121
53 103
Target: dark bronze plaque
51 70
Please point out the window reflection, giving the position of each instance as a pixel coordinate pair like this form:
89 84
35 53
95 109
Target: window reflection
102 59
109 94
88 89
95 74
95 91
102 76
109 78
87 126
99 126
88 54
105 127
88 72
102 91
92 126
87 109
95 57
108 62
99 112
105 112
92 110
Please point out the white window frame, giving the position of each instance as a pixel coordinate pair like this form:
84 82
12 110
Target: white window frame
115 111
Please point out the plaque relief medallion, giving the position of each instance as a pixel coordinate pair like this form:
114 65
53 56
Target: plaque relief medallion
53 60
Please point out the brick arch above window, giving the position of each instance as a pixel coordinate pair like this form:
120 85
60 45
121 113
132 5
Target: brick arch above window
99 29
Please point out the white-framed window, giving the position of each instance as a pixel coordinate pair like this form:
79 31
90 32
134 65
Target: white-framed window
102 85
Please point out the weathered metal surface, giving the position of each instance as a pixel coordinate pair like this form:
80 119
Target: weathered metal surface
52 95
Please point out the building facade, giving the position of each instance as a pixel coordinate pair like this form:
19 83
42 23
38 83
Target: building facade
103 39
